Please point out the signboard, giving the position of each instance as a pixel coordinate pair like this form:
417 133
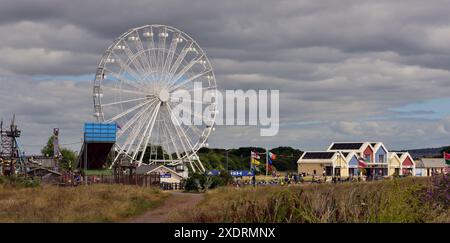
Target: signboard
213 172
239 173
165 175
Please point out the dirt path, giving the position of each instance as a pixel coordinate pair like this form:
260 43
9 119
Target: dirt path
176 201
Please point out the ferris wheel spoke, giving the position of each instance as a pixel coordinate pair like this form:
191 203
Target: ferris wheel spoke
124 65
143 134
143 56
190 101
124 90
186 68
180 59
180 128
147 133
197 131
172 118
158 55
152 55
135 59
135 118
124 101
127 111
172 140
137 130
125 80
167 141
126 148
202 88
170 54
190 79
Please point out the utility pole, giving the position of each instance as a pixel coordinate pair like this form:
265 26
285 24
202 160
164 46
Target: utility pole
227 161
267 163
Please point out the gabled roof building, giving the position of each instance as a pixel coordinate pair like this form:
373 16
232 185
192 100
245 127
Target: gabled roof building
354 158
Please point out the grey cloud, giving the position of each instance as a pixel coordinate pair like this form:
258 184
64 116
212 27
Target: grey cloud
333 61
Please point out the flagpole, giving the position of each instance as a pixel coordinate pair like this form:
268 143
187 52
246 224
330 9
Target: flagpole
267 162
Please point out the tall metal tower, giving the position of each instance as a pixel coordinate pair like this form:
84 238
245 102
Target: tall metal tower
9 149
56 153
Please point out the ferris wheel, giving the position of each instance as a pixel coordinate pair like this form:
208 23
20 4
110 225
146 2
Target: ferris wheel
135 86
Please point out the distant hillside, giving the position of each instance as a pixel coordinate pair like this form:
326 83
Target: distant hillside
239 159
426 152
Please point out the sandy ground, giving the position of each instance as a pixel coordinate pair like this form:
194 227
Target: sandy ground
176 201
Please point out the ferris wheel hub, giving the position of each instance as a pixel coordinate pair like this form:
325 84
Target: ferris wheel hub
164 95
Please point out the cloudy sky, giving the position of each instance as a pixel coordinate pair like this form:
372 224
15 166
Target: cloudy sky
346 70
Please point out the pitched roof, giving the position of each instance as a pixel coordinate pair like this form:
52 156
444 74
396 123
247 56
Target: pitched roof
419 164
318 155
346 146
433 162
144 168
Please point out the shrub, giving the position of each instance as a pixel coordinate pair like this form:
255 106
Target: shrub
438 193
200 182
17 181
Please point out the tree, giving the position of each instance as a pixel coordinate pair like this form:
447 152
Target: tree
68 156
47 150
446 150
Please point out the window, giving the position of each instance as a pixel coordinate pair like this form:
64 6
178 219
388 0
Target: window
381 158
367 157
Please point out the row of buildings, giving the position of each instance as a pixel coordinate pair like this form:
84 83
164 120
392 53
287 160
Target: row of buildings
344 159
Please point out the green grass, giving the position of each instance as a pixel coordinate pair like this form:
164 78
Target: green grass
399 200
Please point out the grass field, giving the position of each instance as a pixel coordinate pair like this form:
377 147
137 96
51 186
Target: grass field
96 203
400 200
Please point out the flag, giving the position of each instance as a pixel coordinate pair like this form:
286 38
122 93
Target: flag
255 161
362 163
255 155
447 158
272 156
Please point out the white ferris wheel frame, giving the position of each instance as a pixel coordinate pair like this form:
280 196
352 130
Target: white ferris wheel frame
156 73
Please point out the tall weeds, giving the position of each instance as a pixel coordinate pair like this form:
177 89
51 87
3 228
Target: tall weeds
95 203
399 200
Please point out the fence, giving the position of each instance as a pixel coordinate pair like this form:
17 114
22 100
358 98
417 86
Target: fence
150 180
138 180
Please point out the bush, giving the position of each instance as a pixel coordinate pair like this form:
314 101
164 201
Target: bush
16 181
200 182
438 192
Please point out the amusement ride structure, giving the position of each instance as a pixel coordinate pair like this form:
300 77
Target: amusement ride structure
134 88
